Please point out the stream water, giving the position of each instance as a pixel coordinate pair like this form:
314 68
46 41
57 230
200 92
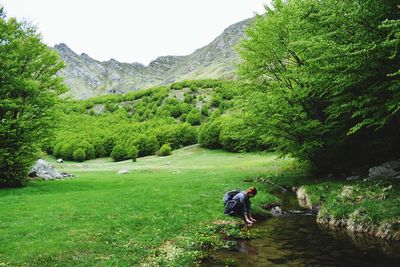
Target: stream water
297 240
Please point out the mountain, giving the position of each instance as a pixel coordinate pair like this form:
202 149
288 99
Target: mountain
88 77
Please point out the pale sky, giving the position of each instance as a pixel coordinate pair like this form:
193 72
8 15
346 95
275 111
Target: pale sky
130 30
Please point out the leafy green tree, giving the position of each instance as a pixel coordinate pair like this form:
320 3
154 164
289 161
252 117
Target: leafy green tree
204 110
99 148
79 155
321 78
239 134
209 134
146 144
133 152
118 153
194 117
28 94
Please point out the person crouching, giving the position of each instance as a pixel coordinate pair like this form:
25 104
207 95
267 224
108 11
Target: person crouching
240 205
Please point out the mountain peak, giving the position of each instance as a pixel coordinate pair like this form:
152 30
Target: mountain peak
63 47
88 77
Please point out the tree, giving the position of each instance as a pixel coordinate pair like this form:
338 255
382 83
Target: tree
79 155
28 94
118 153
322 77
133 153
209 134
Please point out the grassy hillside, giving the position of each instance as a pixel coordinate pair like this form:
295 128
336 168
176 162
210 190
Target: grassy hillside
157 213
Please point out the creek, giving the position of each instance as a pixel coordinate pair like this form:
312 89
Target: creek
297 240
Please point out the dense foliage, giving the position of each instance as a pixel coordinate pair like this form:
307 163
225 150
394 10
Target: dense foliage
322 77
144 122
28 93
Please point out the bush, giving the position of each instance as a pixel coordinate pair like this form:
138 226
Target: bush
165 150
146 144
57 150
118 153
204 110
99 148
209 134
185 135
79 155
109 144
66 151
194 117
133 152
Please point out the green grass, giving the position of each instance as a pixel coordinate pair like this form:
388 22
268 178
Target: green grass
157 211
360 203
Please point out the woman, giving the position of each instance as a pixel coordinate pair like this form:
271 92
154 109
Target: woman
240 205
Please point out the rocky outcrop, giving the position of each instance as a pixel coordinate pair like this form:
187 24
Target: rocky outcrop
87 77
43 169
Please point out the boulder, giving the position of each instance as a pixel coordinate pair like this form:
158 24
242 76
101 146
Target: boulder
45 170
123 171
389 169
277 211
60 160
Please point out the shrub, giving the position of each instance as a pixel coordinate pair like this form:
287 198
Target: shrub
209 134
165 150
99 148
109 144
118 153
194 117
133 152
204 110
79 155
66 150
57 150
146 144
185 135
216 101
188 98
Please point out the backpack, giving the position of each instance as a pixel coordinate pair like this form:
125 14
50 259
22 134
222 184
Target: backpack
229 195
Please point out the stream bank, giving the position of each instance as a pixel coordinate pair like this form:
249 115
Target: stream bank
371 209
297 240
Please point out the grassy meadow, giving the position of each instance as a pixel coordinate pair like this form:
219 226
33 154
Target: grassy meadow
158 213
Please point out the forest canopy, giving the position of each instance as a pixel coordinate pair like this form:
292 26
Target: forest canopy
322 77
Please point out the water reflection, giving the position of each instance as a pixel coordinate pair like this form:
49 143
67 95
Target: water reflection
297 240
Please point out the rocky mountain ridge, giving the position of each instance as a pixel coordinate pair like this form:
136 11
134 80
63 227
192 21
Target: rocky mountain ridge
88 77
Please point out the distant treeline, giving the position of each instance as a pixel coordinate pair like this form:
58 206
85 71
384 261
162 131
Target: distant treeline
139 123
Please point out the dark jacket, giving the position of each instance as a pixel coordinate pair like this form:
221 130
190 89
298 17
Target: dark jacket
239 205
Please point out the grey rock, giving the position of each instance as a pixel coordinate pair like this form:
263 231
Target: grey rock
277 211
60 160
45 170
122 171
389 169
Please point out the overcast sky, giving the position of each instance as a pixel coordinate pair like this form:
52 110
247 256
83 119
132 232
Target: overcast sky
132 30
